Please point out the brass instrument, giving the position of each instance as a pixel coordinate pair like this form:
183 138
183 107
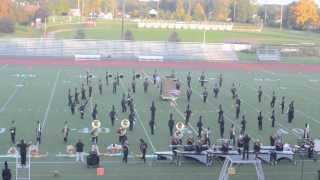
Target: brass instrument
96 124
125 123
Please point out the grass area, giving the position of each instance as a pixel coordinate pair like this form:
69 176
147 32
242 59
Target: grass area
246 57
29 103
111 30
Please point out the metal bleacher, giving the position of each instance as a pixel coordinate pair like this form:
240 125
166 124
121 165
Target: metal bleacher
117 50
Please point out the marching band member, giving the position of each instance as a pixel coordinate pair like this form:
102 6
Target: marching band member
306 131
38 133
65 132
257 147
13 132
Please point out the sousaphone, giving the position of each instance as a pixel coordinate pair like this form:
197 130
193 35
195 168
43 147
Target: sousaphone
125 123
96 124
180 126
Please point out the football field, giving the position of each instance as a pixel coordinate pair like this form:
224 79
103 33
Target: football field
31 93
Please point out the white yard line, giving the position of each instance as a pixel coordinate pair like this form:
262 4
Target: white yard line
3 107
45 118
139 120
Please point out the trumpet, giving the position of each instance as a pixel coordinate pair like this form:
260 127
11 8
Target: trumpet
125 123
95 124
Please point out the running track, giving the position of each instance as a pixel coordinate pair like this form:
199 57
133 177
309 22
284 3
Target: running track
193 65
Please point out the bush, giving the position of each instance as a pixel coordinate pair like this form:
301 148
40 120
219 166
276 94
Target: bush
7 25
174 37
128 35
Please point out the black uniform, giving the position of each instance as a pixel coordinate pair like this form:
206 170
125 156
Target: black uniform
243 124
189 93
94 112
199 126
143 149
246 145
202 79
273 119
82 108
273 100
107 78
259 94
125 151
76 96
232 135
112 115
118 79
100 87
291 112
13 133
73 107
221 122
205 95
124 103
189 80
83 93
6 172
38 133
152 124
154 77
220 80
131 119
65 132
233 91
260 118
145 85
23 152
171 124
133 86
282 104
153 111
188 113
216 90
69 97
90 90
114 87
220 113
238 105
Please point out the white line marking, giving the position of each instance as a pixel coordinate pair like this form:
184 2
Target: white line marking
3 107
139 120
45 118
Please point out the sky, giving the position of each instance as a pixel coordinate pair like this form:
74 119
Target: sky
281 1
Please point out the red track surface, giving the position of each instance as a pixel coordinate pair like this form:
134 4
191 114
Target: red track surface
193 65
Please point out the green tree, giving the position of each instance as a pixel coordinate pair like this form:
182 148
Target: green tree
245 11
112 7
180 11
199 13
221 10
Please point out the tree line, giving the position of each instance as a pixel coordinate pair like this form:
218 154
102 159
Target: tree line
303 14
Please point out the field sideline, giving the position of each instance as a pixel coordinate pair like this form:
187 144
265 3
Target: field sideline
36 89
